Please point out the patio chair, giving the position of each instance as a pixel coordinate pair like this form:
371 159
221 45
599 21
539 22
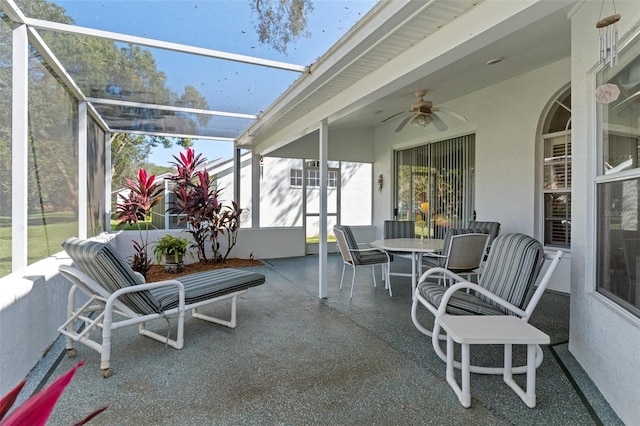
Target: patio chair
505 287
399 229
432 260
464 253
116 291
354 255
491 228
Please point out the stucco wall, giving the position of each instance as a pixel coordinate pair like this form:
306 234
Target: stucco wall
604 338
31 309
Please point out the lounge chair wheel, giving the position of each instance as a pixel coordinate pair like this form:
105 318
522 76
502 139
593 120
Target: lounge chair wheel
106 372
72 353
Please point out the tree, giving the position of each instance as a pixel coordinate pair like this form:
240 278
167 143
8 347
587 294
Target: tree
130 152
281 21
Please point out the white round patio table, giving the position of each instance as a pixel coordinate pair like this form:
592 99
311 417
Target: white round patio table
416 247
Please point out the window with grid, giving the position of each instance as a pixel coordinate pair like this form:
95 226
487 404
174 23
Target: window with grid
332 179
296 178
313 178
557 190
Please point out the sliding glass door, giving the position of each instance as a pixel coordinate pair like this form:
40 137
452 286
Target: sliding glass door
434 185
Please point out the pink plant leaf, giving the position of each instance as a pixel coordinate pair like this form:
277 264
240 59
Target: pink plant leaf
7 401
142 176
37 409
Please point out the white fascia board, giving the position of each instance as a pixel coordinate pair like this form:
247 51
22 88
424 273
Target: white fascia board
172 135
171 108
371 30
488 22
176 47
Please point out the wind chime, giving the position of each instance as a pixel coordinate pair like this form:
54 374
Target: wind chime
608 29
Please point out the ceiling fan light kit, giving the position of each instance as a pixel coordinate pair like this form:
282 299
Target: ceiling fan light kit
421 120
422 113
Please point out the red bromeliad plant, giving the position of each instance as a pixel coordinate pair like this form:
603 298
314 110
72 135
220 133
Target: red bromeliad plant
188 199
197 199
134 208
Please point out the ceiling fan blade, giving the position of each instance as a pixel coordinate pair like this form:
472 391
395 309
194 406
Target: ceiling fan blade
403 123
440 125
393 116
451 113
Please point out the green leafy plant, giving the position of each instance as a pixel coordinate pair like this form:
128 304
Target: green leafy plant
168 246
134 208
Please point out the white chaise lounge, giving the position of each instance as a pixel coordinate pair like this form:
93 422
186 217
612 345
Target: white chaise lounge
114 288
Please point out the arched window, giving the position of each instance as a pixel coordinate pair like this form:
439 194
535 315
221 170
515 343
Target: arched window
556 174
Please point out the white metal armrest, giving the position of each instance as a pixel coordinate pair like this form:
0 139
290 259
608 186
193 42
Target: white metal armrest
442 309
439 272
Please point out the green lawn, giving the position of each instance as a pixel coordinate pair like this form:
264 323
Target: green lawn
316 239
127 227
41 242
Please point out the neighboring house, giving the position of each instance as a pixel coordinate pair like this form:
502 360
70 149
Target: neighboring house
286 195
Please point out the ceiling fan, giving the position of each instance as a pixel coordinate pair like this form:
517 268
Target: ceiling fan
422 113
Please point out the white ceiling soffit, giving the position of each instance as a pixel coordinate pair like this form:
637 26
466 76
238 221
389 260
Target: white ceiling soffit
424 39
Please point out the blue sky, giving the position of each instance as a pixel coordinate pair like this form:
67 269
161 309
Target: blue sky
222 25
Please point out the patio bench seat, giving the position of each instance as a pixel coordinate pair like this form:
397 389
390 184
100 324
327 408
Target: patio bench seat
207 285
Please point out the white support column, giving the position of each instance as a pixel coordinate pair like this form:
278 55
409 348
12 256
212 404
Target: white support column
107 181
322 245
236 174
83 198
255 190
19 149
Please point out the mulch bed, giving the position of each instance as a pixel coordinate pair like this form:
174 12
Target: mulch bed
157 272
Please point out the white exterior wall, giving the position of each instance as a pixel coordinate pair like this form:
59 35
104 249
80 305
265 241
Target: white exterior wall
280 204
505 119
604 338
31 309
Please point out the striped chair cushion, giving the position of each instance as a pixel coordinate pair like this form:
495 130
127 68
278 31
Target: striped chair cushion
352 244
439 262
367 257
510 272
491 228
461 303
373 258
106 267
399 229
512 267
207 285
